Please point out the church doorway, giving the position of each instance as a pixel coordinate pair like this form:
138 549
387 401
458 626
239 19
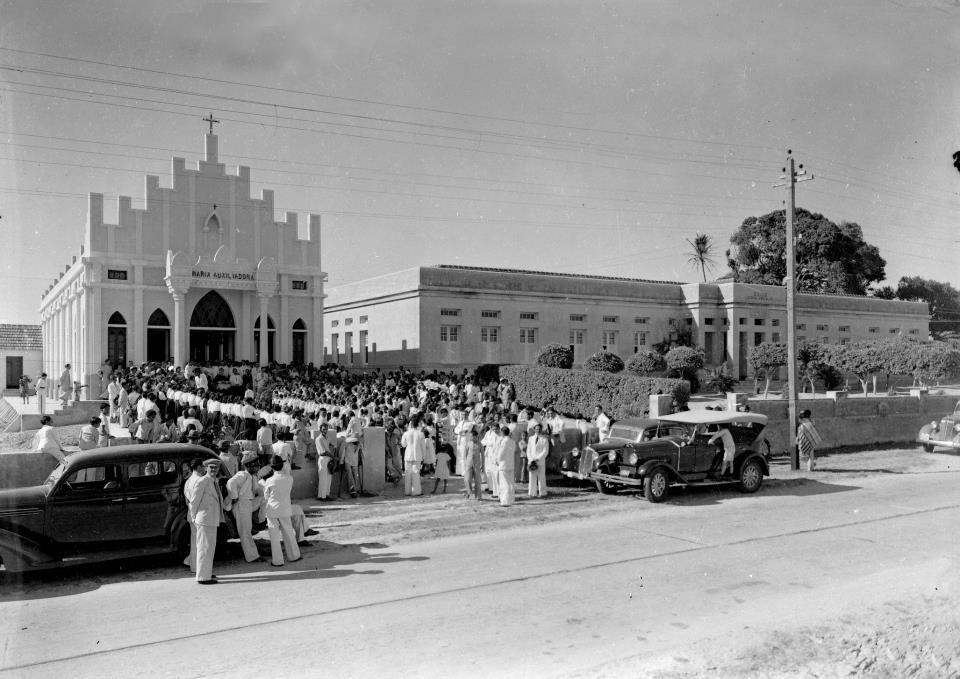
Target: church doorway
212 330
271 339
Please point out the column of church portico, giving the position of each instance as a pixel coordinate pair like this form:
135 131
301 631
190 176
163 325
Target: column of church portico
264 328
179 329
139 322
283 340
315 336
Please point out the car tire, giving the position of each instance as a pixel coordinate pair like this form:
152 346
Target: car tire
928 447
183 543
656 486
751 476
605 488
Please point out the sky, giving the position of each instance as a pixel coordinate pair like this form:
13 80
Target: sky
579 137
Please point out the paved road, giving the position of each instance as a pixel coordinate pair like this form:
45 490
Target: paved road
614 594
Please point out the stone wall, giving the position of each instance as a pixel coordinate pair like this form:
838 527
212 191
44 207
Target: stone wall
856 421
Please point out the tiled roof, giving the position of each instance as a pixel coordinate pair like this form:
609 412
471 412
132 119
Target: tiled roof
21 337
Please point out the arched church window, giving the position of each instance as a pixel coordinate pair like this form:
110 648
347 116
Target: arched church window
158 319
299 324
212 311
212 233
270 325
116 318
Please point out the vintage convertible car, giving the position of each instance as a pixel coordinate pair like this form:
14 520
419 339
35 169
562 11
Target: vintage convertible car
945 433
98 505
675 453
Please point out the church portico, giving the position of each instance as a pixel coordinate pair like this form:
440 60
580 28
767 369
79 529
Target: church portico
188 277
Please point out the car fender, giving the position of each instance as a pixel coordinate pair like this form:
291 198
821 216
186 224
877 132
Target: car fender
19 552
650 465
764 465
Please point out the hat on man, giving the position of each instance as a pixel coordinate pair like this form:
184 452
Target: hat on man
249 457
213 461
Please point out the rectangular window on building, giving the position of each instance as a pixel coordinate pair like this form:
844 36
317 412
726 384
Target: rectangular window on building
775 337
639 341
528 335
688 321
348 321
914 331
488 313
741 321
348 345
449 312
775 322
363 319
528 315
873 331
844 328
335 345
708 321
577 337
641 320
801 326
490 335
609 342
578 318
821 327
672 322
894 331
363 346
611 319
449 333
334 324
758 321
116 274
844 340
298 285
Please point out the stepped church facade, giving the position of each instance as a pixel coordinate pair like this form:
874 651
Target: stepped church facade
203 273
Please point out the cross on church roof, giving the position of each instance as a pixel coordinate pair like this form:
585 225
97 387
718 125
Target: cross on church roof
210 119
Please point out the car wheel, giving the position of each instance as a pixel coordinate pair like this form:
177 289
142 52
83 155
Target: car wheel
606 488
928 447
751 476
656 486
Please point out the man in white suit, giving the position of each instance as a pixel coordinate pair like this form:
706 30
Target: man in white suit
538 447
207 510
413 444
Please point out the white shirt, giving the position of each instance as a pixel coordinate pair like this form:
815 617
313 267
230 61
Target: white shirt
413 443
276 495
603 425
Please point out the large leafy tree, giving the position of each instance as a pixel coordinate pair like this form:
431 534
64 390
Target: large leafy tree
765 359
942 298
831 258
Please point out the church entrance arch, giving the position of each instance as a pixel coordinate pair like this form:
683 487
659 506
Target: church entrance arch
212 330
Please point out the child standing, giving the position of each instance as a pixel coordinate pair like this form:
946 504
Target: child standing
443 468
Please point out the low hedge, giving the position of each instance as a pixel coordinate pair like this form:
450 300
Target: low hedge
576 392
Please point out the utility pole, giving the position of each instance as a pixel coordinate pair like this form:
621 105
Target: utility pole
791 178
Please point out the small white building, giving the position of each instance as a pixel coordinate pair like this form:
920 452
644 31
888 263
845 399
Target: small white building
193 276
450 317
21 353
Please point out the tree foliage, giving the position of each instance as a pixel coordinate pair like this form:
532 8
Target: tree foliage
646 362
765 359
862 358
555 356
831 258
700 253
684 362
604 361
942 298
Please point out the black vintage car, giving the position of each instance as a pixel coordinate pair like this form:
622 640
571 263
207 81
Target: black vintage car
674 451
100 504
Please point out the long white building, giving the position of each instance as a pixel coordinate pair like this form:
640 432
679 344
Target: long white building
444 317
194 275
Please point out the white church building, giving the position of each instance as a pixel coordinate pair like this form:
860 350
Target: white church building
196 275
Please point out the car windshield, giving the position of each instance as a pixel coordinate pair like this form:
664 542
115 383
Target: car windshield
54 476
626 433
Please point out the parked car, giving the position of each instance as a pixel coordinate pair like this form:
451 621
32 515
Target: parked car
676 453
945 432
98 505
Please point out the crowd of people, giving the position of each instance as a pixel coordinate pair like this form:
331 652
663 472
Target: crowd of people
436 425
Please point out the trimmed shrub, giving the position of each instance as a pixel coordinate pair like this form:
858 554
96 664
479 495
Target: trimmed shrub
555 356
645 363
684 362
604 361
765 359
719 380
578 391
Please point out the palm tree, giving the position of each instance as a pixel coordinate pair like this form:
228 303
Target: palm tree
701 253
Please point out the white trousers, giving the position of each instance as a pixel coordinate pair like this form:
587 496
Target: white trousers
243 513
493 480
276 526
324 478
461 458
505 486
206 546
411 479
191 559
537 486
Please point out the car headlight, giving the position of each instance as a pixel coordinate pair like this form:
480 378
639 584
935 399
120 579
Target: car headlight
612 456
934 426
575 452
924 436
956 428
634 458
